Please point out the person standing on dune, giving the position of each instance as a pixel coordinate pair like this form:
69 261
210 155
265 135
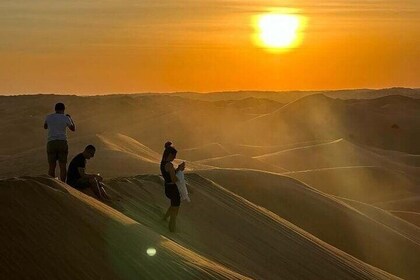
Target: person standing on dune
171 190
57 147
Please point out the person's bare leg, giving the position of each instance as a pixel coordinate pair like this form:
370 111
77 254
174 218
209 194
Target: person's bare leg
63 171
51 169
172 220
94 187
103 192
168 213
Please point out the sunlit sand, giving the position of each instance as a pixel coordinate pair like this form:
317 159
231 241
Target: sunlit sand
308 187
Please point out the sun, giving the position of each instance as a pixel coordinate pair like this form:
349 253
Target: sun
278 30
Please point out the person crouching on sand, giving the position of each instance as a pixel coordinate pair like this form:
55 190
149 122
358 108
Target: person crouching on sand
79 179
171 190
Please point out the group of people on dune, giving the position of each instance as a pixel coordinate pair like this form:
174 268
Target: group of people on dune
76 176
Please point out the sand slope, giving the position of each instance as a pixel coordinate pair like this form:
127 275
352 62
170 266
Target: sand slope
335 153
412 217
364 183
371 235
235 232
317 117
51 231
204 152
117 155
241 161
141 124
350 194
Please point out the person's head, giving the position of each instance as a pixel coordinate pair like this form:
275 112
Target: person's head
59 108
170 152
89 151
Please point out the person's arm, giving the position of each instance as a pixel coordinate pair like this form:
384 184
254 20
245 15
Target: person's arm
45 124
83 174
180 167
170 168
71 124
96 185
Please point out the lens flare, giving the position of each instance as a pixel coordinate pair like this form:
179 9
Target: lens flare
151 252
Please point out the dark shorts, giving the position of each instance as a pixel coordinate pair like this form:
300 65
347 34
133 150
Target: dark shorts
171 192
80 184
57 150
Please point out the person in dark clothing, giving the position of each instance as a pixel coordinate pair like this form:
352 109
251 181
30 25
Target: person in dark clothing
79 179
171 190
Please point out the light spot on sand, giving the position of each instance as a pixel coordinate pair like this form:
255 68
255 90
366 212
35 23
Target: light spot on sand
151 252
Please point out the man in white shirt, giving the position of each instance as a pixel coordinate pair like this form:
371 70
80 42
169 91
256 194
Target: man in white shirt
57 148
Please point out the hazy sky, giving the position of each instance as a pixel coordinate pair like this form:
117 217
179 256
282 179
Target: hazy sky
92 46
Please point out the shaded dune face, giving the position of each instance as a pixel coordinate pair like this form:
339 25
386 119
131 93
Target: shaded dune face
73 236
114 241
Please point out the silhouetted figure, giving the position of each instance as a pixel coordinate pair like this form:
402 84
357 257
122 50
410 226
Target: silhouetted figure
79 179
171 190
57 148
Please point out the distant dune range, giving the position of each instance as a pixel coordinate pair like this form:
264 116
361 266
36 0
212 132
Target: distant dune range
294 185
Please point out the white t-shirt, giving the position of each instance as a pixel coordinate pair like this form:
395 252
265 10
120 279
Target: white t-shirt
57 124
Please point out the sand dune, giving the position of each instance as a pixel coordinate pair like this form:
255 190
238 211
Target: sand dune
151 120
112 159
307 119
397 103
72 236
387 218
124 143
204 152
117 155
260 150
289 96
294 157
241 161
248 238
367 184
345 206
48 241
319 117
400 157
336 166
412 217
335 153
251 105
409 204
372 235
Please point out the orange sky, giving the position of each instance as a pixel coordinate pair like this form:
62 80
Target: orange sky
91 47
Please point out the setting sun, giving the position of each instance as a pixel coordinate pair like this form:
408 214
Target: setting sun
278 31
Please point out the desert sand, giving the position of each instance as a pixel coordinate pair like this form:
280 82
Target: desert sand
298 185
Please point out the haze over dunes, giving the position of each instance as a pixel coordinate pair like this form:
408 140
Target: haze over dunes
293 185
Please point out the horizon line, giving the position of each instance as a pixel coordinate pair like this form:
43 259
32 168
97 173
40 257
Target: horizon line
206 92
